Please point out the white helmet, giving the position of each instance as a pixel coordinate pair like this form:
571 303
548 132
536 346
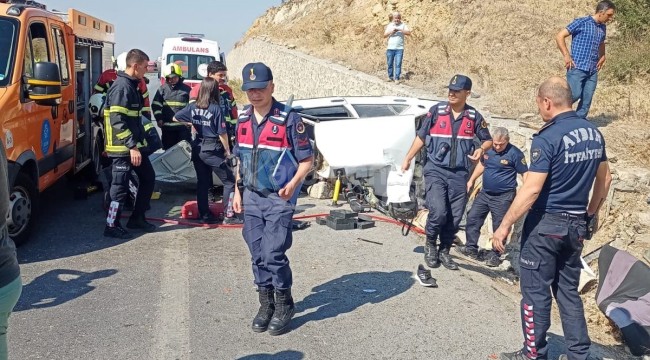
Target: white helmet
121 61
96 105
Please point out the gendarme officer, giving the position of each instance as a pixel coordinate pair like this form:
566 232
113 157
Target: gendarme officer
448 132
275 155
566 156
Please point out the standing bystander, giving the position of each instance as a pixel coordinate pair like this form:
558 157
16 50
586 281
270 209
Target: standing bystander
395 32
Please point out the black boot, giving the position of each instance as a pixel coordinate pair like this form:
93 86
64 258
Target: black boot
446 259
139 222
267 307
431 255
116 231
284 310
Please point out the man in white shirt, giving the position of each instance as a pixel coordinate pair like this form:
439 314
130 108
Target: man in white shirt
395 32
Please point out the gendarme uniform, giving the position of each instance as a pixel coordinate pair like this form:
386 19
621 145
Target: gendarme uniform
269 150
448 142
569 149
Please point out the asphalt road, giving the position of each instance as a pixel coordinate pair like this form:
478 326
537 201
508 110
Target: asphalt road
187 293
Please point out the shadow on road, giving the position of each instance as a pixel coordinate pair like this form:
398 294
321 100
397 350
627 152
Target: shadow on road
282 355
349 292
598 351
68 227
57 287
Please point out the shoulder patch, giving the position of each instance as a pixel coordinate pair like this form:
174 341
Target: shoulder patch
535 154
523 161
300 127
484 124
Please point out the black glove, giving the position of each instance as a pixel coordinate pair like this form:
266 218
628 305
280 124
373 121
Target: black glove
592 222
231 161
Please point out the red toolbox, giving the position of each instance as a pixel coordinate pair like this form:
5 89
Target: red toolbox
190 209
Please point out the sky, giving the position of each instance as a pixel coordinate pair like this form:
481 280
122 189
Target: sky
144 24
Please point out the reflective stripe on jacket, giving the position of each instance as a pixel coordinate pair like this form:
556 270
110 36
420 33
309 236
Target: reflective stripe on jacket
169 100
122 117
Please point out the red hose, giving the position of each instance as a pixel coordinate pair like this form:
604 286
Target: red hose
301 217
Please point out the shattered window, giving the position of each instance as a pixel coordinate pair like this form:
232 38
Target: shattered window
329 111
379 110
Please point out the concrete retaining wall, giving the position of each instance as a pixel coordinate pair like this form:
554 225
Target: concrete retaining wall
305 76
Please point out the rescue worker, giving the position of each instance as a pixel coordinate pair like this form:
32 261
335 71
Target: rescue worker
499 168
210 148
125 135
218 71
169 99
107 78
567 157
448 132
274 155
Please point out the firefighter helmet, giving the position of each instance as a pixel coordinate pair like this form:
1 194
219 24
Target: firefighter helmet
173 70
96 105
121 61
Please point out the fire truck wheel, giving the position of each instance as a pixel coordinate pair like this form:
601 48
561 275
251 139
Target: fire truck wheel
23 208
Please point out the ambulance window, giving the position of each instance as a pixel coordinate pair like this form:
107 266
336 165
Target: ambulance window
61 54
180 59
36 48
189 63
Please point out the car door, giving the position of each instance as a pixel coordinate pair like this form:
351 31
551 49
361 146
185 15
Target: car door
65 138
37 128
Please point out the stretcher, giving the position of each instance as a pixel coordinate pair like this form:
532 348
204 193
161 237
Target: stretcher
175 165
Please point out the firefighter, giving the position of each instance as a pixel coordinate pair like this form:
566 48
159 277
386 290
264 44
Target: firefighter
125 136
210 149
108 77
169 99
448 132
274 155
567 160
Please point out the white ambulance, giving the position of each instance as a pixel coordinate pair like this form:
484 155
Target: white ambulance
193 53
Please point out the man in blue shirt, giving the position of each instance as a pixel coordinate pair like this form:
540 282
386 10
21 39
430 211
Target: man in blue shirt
275 155
567 157
448 132
587 53
499 167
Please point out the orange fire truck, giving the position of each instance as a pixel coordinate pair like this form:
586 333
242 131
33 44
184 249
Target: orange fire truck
49 63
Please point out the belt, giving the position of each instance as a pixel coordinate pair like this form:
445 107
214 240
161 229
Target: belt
492 193
210 140
567 215
263 193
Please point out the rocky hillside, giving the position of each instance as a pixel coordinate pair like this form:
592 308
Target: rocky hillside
506 47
